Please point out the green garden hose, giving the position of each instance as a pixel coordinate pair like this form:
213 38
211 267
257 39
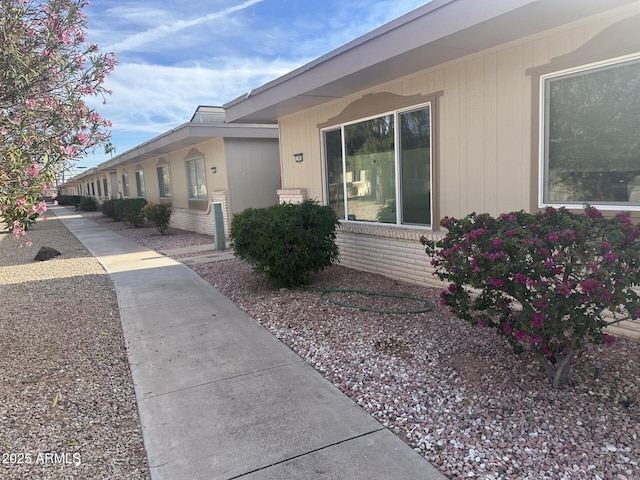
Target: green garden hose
325 296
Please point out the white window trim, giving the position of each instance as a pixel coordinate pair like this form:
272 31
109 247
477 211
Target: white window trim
542 148
158 167
396 139
189 197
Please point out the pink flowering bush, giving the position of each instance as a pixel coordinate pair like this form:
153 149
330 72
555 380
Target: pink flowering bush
46 70
548 282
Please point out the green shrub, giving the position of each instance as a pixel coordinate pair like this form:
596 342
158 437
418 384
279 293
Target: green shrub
69 200
108 209
159 214
130 210
88 204
286 243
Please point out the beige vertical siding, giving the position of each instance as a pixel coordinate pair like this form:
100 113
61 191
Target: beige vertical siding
253 172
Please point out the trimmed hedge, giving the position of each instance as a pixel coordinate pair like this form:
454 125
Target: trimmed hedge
69 200
286 243
88 204
130 210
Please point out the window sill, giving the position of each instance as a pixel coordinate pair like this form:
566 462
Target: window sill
381 230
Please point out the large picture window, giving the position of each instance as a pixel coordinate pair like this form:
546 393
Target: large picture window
196 179
591 136
379 169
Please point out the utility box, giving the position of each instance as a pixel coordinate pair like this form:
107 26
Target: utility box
218 225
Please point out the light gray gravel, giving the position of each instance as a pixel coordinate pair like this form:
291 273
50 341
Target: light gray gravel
68 407
453 392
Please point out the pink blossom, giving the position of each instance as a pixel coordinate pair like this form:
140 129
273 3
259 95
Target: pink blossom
535 338
564 289
506 326
520 278
496 282
495 256
590 285
611 257
520 335
609 340
21 201
33 170
592 212
538 320
541 304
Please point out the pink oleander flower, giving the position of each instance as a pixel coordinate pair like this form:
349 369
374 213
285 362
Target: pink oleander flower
33 170
21 201
609 340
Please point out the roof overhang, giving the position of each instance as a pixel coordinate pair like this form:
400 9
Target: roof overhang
187 135
438 32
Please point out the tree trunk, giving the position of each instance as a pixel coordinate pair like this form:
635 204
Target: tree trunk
558 373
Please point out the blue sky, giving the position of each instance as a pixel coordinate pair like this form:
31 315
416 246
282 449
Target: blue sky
177 54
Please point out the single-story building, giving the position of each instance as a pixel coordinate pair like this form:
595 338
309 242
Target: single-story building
202 161
460 106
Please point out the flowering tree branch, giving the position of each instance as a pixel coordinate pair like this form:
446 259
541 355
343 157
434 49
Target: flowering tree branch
46 71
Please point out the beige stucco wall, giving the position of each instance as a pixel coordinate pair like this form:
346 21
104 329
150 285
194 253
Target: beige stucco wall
484 127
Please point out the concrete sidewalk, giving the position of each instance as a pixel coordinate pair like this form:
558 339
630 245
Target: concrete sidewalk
219 396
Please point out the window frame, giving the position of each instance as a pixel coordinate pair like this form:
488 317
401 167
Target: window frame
429 104
126 188
161 186
190 197
140 186
542 161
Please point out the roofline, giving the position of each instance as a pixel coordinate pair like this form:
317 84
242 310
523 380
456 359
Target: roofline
426 9
433 34
176 138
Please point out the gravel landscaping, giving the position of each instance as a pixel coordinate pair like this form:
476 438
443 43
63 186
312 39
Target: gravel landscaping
68 406
454 393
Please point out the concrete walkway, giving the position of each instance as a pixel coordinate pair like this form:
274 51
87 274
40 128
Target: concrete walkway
219 396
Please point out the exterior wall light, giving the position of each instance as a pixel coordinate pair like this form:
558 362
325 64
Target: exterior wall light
214 169
298 157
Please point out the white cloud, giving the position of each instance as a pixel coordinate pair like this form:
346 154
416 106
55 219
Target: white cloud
155 98
159 32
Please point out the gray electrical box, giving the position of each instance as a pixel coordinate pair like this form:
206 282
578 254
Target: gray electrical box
218 225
